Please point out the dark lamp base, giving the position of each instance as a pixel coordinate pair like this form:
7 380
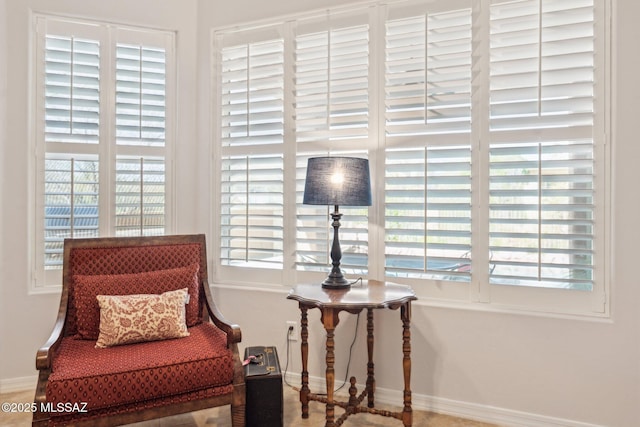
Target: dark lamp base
336 283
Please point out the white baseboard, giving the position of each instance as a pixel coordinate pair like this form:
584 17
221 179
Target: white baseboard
484 413
11 385
472 411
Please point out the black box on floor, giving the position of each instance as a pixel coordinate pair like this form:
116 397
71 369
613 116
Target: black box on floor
263 380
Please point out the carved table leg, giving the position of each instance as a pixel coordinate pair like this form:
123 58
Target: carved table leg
405 314
330 321
304 349
353 399
371 381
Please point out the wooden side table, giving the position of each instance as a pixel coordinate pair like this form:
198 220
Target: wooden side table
372 294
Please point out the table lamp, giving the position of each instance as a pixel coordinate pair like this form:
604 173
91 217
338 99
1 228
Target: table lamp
337 181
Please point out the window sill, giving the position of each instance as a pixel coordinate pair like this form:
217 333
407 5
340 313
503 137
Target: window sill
494 308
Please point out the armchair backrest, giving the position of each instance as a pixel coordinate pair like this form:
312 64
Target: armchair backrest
112 257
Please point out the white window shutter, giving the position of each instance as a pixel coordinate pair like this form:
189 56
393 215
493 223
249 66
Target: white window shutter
103 137
332 79
140 197
72 89
541 56
542 214
252 211
141 123
542 173
428 73
140 95
252 94
428 213
71 200
251 136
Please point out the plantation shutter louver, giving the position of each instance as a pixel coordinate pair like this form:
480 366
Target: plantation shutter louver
542 153
332 79
252 211
428 213
428 68
140 95
71 204
72 90
252 94
141 74
542 214
252 132
541 64
428 71
71 120
140 197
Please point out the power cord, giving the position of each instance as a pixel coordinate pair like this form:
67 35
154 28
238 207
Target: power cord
346 375
359 279
286 366
355 335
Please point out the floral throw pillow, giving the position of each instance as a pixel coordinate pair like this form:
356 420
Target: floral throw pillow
126 319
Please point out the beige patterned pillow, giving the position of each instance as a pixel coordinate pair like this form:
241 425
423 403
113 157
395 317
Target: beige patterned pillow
128 319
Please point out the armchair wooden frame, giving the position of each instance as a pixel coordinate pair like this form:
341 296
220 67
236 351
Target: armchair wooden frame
209 313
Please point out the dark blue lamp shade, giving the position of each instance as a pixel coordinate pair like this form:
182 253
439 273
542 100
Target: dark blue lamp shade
343 181
337 181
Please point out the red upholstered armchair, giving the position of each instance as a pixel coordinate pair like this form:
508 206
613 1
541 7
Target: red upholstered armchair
80 384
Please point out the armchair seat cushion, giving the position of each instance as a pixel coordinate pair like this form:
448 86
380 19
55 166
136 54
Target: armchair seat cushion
115 376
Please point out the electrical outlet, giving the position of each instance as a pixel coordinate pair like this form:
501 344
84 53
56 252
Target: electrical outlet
292 330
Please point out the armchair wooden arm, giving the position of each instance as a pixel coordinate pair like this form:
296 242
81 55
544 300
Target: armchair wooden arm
234 334
45 353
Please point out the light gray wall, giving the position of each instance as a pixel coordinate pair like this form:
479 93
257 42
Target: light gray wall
3 143
586 371
220 13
